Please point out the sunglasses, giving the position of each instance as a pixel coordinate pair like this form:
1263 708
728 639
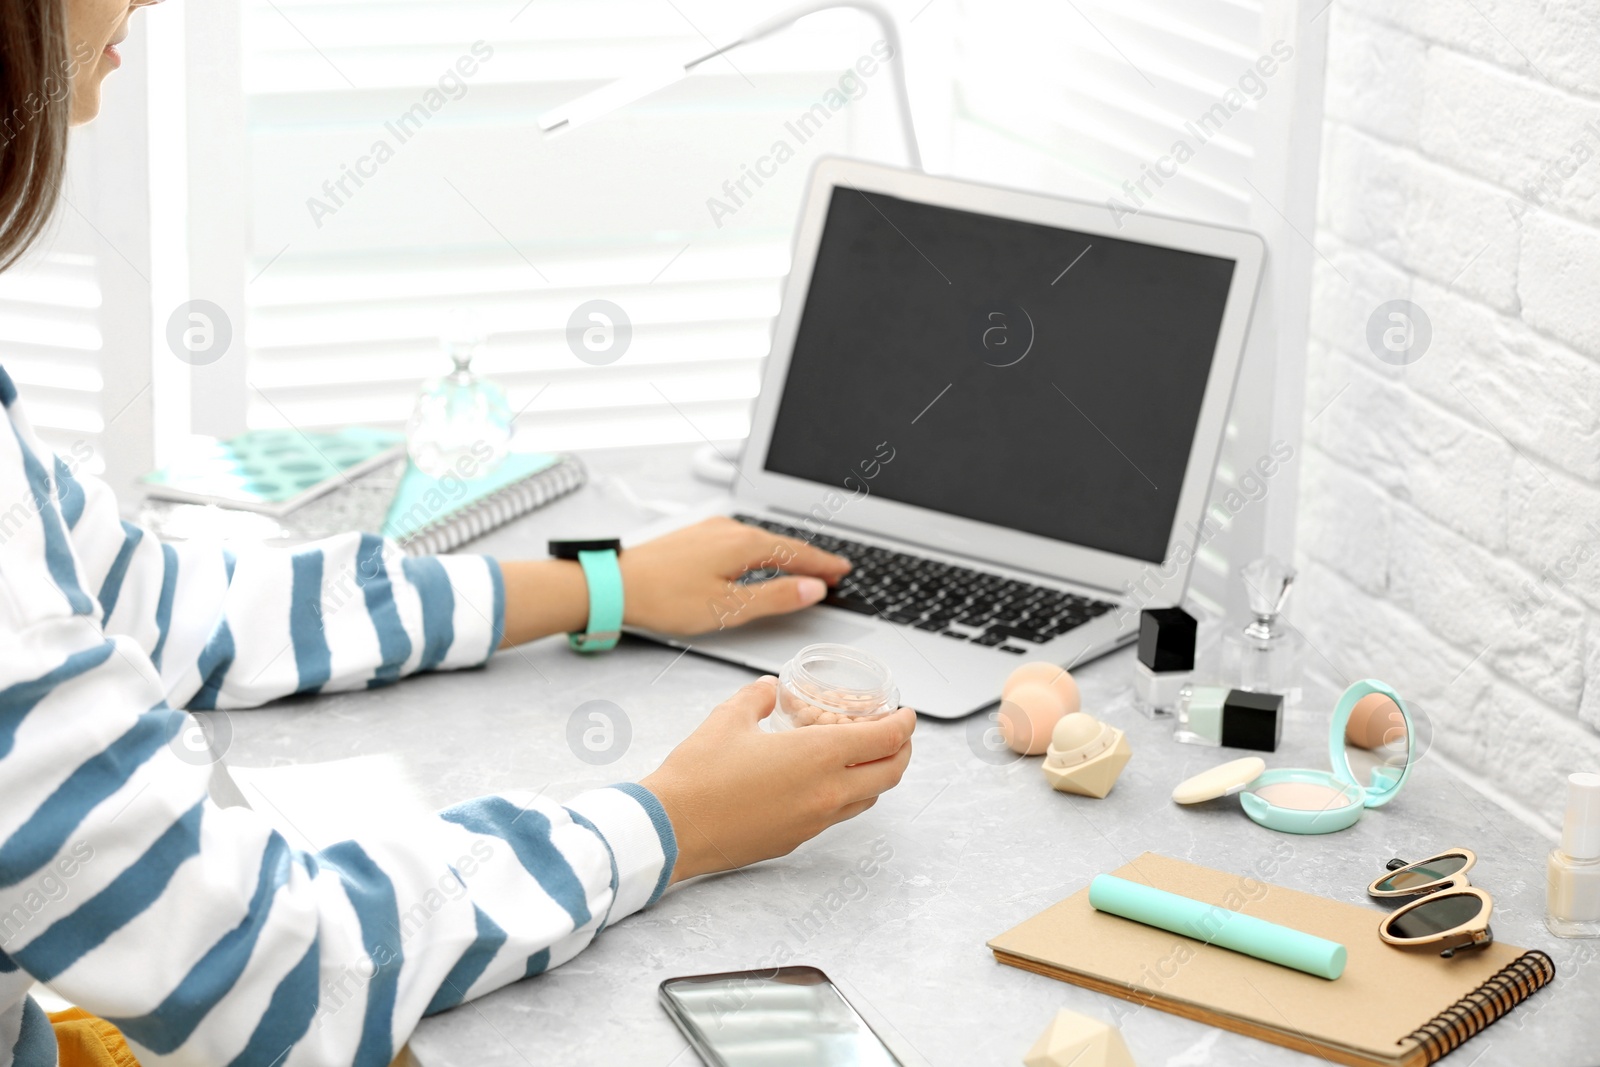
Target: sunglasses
1450 915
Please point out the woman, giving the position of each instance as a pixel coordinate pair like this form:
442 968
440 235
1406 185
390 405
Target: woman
197 931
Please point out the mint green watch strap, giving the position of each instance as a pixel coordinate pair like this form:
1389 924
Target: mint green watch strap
604 576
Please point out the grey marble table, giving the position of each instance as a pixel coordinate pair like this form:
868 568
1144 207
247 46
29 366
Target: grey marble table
968 848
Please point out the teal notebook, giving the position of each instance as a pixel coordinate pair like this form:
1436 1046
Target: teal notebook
430 515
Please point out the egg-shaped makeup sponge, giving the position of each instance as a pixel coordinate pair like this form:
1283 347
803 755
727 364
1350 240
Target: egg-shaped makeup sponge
1028 716
1048 674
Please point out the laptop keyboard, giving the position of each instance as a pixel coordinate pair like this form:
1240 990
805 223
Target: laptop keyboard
963 604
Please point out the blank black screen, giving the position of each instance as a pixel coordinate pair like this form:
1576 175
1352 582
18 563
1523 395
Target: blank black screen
1026 376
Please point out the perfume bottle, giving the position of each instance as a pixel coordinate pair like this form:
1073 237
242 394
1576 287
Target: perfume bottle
1574 868
1165 662
1266 654
461 424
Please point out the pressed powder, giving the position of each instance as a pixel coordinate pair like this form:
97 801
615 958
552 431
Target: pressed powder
1303 796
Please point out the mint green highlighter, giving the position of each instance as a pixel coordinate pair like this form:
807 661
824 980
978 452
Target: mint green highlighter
1216 925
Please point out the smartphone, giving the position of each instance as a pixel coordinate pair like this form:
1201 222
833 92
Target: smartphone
779 1017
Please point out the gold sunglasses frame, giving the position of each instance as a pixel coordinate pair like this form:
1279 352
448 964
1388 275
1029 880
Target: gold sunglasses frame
1474 933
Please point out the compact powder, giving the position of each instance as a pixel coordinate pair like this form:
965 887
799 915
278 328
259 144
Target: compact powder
1303 796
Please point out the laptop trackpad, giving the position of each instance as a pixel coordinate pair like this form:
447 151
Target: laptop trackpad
768 644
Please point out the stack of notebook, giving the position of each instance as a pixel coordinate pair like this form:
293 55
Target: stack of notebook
1390 1008
286 485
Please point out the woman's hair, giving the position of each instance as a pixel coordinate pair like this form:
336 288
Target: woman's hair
35 106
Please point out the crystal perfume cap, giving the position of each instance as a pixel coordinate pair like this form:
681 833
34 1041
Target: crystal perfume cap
1167 639
1269 582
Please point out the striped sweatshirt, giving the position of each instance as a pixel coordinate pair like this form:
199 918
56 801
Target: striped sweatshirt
198 930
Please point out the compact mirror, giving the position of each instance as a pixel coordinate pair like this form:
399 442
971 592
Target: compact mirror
1372 743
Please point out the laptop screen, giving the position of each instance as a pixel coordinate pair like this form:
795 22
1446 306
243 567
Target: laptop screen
1018 374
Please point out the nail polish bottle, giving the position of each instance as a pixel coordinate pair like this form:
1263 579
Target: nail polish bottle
1166 659
1573 908
1231 718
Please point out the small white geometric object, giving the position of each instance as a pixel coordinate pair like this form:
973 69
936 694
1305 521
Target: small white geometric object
1073 1040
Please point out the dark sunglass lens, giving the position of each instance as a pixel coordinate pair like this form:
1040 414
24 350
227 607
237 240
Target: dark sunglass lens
1436 916
1419 874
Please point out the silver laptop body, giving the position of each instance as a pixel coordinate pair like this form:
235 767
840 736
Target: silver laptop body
1059 434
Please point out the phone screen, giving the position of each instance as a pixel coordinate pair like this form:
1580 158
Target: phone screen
782 1017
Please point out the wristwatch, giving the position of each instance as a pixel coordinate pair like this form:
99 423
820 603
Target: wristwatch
600 570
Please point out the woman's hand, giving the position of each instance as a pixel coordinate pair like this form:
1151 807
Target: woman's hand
684 582
680 583
737 795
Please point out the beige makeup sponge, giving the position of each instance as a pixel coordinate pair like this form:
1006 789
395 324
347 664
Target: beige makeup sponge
1028 716
1048 674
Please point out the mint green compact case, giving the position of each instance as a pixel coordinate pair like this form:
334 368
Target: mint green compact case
1383 778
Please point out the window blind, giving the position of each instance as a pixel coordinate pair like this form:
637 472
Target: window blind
50 329
76 318
1100 93
1205 109
396 174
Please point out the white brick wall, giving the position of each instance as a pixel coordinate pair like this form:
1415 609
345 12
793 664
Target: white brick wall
1450 517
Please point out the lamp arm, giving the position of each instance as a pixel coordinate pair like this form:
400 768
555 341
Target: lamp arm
891 35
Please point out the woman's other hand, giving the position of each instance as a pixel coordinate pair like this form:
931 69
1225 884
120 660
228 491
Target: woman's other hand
736 794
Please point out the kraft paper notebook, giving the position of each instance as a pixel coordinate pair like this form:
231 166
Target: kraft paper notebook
1391 1006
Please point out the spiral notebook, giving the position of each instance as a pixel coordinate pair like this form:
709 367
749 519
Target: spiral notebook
1390 1007
429 516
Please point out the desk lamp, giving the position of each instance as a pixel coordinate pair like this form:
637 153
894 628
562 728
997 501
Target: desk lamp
709 464
619 94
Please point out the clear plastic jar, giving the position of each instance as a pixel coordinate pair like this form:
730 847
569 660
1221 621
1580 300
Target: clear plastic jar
832 684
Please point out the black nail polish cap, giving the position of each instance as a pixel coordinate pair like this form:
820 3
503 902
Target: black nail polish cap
1167 639
1252 720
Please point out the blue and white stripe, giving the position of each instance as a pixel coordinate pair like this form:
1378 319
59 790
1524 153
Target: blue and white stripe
198 930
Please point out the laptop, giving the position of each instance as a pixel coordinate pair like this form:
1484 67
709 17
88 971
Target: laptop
1006 410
